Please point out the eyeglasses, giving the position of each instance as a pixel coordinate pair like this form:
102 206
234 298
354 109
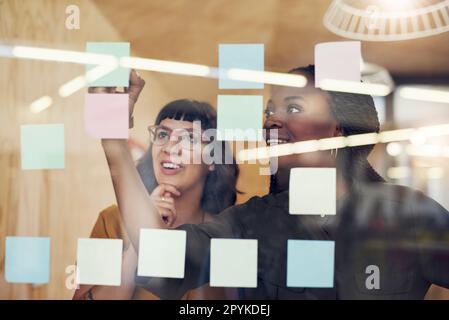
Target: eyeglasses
162 135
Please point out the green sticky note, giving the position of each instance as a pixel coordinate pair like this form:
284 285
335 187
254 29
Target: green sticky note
42 146
120 76
239 117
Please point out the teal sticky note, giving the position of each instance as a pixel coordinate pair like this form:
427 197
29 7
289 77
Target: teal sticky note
27 260
239 117
120 76
42 146
310 263
239 56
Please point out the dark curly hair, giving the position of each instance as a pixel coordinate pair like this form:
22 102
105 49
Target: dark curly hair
355 114
220 189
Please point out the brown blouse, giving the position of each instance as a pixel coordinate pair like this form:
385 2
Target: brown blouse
110 225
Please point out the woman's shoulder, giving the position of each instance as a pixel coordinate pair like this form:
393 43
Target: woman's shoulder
391 192
110 214
270 199
402 199
256 206
109 224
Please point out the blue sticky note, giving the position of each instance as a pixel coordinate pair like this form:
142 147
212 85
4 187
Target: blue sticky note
239 56
27 260
239 117
120 76
310 263
42 146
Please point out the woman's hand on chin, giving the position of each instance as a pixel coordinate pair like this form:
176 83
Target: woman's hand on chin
163 199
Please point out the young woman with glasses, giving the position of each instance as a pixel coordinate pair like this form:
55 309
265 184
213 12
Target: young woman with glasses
181 189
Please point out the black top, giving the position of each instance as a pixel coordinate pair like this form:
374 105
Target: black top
398 229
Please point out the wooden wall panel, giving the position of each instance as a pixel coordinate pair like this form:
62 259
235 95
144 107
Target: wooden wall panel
62 204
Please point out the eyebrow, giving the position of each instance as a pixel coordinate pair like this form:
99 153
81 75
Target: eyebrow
293 98
177 129
270 102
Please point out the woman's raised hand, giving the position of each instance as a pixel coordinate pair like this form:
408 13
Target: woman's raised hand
163 199
136 84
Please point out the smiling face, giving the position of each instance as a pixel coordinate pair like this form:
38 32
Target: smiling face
172 163
299 114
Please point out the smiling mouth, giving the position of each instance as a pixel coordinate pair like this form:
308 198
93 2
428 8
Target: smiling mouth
273 142
170 165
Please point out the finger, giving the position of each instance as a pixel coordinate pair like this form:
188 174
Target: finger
167 215
102 90
167 198
136 84
136 79
171 189
158 192
165 205
169 221
98 90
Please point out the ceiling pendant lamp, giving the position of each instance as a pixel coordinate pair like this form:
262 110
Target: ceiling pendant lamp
387 20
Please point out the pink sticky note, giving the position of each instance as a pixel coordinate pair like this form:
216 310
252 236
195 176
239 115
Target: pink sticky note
338 61
106 115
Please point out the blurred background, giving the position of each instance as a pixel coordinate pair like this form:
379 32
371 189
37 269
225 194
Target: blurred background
64 204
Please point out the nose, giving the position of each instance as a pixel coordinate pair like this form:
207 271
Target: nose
172 148
275 121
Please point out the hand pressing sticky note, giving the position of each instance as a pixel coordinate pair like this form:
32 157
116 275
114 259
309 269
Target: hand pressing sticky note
338 61
310 263
42 146
120 76
27 260
239 117
99 261
106 115
162 253
233 263
239 56
313 191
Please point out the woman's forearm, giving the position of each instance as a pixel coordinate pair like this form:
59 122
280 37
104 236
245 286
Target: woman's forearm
133 200
123 292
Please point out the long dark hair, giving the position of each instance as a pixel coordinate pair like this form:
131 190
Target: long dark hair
220 188
355 114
